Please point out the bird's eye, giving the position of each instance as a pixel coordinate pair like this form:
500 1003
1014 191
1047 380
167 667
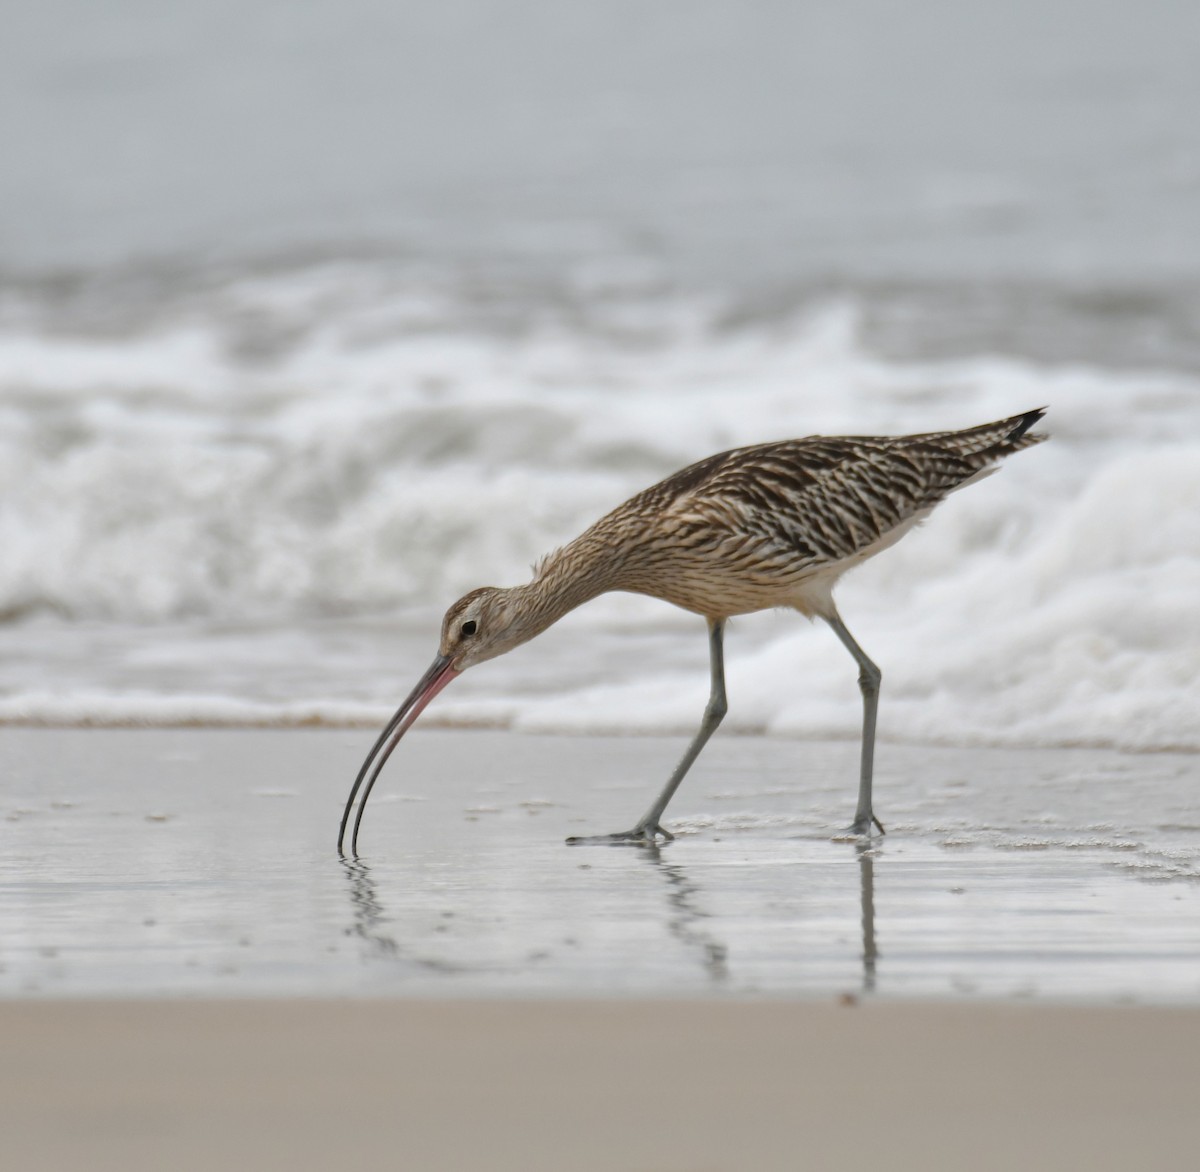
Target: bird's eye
468 628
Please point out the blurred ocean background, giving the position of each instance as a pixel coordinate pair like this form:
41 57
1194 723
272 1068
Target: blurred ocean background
314 315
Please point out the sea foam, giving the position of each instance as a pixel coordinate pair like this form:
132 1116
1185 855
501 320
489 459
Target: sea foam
323 447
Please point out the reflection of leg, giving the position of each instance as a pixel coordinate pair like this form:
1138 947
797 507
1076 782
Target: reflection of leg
685 923
866 868
869 677
649 828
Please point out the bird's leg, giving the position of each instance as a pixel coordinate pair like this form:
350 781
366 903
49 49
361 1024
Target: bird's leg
649 828
869 677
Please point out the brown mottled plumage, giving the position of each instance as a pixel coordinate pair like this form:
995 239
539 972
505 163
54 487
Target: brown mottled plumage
773 525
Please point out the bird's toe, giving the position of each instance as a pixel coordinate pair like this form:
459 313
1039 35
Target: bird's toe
859 829
639 836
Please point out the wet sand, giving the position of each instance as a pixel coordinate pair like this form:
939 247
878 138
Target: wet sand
604 1086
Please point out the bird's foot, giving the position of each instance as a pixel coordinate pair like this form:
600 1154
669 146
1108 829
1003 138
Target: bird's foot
859 829
641 835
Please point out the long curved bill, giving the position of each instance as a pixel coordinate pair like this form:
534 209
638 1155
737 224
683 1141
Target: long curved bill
440 673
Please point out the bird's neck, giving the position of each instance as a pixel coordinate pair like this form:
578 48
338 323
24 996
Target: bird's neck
563 580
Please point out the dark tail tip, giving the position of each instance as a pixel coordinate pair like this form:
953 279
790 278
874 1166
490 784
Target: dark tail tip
1024 423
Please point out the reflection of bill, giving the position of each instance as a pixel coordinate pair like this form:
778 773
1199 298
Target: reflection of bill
368 912
369 918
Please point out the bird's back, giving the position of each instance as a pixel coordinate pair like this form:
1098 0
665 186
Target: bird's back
777 523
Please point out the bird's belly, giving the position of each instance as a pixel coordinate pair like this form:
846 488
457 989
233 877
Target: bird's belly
717 594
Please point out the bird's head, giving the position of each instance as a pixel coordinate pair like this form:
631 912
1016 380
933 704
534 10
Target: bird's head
481 625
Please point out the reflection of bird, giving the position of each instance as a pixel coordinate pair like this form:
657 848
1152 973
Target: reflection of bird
773 525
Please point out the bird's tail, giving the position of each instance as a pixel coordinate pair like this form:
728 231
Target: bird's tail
991 441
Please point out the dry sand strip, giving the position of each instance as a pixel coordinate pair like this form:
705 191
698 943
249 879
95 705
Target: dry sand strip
574 1086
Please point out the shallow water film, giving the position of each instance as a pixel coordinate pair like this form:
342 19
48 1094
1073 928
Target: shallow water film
202 862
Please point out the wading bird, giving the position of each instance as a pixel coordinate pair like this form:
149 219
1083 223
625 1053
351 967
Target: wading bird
774 525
